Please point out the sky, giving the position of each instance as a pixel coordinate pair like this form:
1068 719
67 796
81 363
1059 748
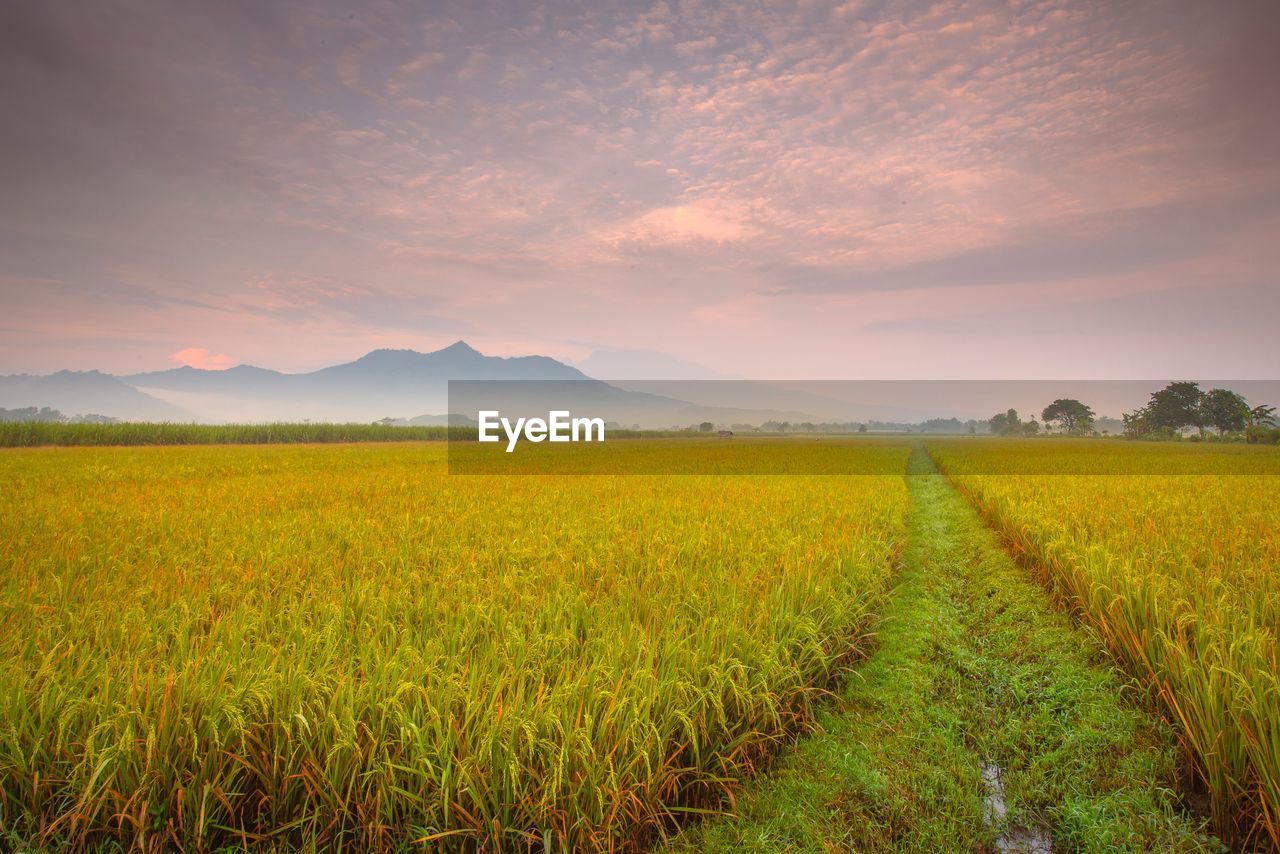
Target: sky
684 188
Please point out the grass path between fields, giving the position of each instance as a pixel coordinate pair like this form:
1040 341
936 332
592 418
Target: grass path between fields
978 688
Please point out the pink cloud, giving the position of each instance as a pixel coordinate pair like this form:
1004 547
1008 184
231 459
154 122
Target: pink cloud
693 224
199 357
785 168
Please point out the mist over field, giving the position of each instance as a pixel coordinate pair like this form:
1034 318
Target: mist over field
405 385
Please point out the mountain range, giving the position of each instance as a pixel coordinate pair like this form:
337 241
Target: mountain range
407 385
382 383
87 392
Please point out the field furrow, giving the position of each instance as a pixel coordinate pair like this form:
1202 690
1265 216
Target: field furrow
1178 574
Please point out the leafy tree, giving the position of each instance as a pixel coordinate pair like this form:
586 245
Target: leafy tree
31 413
942 425
1005 423
1262 433
1031 428
1139 425
53 416
1224 410
706 426
1070 414
1136 424
1175 406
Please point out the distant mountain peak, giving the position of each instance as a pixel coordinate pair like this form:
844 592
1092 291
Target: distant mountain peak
397 356
382 381
385 355
460 347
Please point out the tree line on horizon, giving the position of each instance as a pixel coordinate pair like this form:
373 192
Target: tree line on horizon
46 415
1171 410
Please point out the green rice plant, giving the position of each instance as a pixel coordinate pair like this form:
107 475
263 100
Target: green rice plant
35 433
1177 572
344 645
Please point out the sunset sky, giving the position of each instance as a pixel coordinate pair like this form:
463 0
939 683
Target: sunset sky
770 190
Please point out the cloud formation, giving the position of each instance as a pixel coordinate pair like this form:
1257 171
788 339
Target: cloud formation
766 189
199 357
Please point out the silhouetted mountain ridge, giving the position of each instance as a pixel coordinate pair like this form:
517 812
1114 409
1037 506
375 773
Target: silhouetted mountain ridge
384 383
458 361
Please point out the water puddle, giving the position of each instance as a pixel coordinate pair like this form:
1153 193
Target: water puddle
995 812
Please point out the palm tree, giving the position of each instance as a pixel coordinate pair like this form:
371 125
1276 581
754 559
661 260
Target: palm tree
1260 416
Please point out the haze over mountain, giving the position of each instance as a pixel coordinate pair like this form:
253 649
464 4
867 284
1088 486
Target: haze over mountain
86 392
409 385
384 383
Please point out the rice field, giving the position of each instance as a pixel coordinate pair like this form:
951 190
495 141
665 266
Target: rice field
344 645
347 645
28 434
1177 571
